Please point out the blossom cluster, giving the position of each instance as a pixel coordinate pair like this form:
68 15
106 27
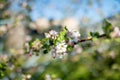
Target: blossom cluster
60 50
33 47
73 37
60 47
52 34
58 44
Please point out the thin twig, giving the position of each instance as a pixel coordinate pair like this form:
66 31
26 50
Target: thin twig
90 38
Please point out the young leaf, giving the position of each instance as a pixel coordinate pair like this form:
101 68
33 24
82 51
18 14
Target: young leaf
62 35
107 28
69 48
94 34
46 45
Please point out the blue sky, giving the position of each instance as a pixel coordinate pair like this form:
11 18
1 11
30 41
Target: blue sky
60 9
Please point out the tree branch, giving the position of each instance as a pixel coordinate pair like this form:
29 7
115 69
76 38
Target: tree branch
90 38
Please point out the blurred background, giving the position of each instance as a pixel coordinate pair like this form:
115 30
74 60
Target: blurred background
25 20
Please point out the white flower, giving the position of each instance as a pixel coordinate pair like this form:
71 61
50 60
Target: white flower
48 77
75 35
27 47
47 35
25 77
52 34
61 47
3 30
59 50
36 45
116 32
28 76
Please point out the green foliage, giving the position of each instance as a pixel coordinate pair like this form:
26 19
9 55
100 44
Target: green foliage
91 64
3 1
94 34
107 28
62 35
34 42
69 48
3 69
46 45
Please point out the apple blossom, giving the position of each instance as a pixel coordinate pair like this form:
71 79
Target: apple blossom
116 32
52 34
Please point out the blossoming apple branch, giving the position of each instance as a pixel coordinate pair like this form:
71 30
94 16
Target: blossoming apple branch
58 44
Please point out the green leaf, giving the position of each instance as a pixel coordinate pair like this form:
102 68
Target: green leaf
36 40
46 45
45 41
94 39
45 51
3 1
94 34
62 35
3 69
31 43
107 28
69 48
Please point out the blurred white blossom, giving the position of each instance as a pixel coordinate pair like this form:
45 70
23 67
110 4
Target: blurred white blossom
42 24
71 23
47 35
77 49
28 38
61 47
47 77
75 35
52 34
3 30
3 57
37 45
28 76
112 54
59 50
116 32
27 47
